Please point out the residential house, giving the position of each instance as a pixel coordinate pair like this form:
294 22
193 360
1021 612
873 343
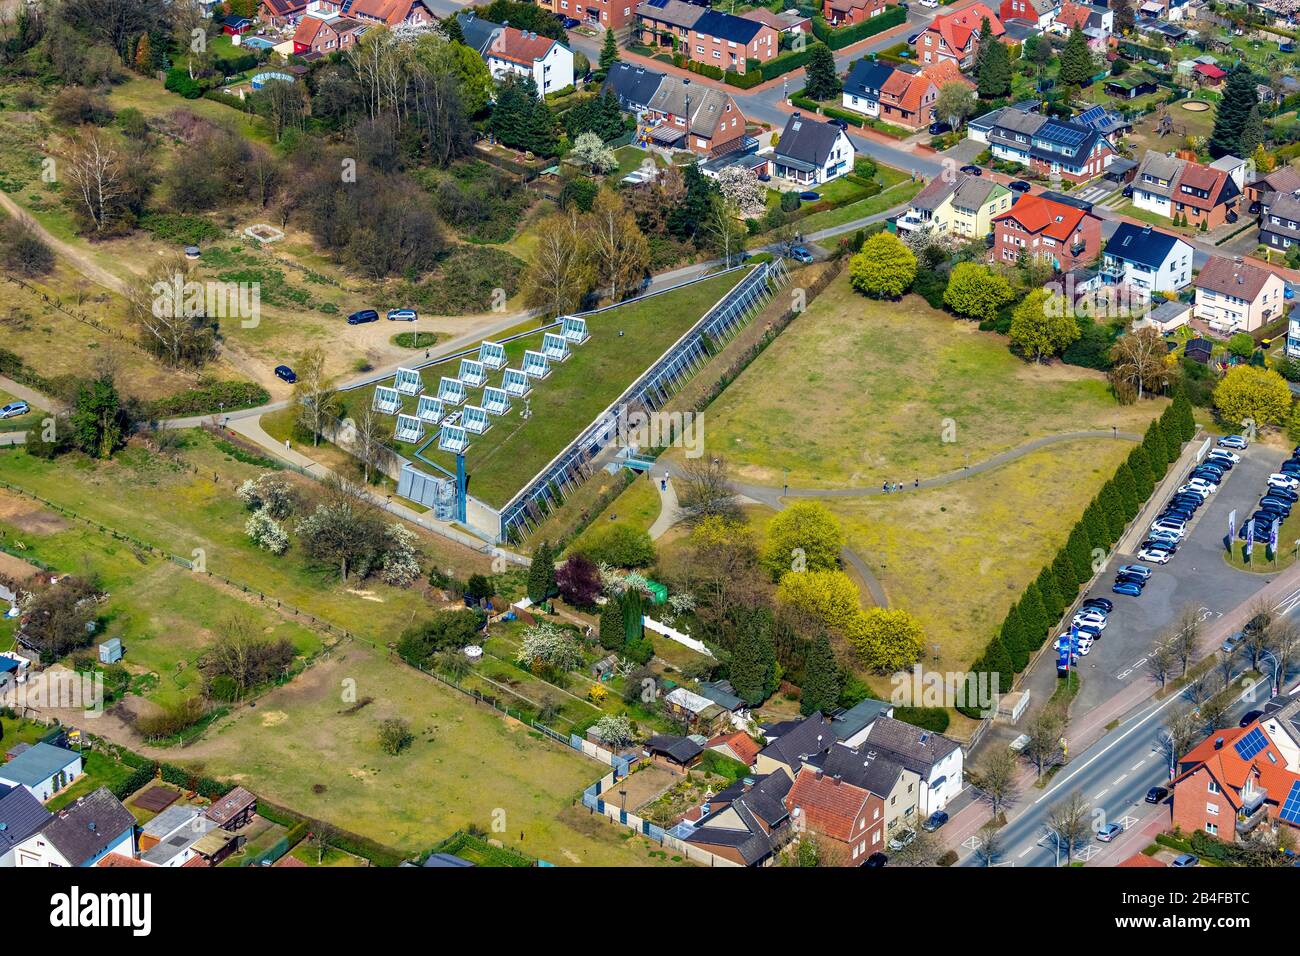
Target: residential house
1182 189
633 85
786 22
1042 229
1146 258
875 771
1238 169
907 99
1284 179
746 824
731 43
1059 149
667 23
392 13
936 759
862 86
702 119
511 52
841 13
287 13
737 745
851 726
176 848
21 816
1169 315
1279 220
611 14
791 744
960 205
669 750
323 36
1097 23
956 36
234 810
81 834
1041 13
1234 296
847 820
213 847
177 818
1240 777
43 769
811 152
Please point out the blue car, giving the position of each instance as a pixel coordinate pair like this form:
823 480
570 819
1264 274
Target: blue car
362 317
285 374
1131 588
800 254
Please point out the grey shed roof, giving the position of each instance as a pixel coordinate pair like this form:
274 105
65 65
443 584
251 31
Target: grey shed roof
858 716
721 693
813 736
21 815
37 764
89 826
1159 166
706 103
170 820
864 767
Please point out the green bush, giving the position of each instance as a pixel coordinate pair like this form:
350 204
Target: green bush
179 82
178 227
839 37
209 398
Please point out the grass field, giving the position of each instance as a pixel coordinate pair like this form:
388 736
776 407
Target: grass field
957 556
514 450
467 766
856 392
180 510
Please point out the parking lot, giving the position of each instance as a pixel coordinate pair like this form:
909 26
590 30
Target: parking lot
1196 576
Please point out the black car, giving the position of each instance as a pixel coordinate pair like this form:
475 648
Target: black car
912 38
1249 717
1157 794
1255 208
842 124
1019 186
1286 494
972 170
876 859
1101 604
362 317
938 128
1213 475
1188 500
285 374
1127 192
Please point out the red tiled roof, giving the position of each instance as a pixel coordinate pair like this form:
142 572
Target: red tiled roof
118 860
194 863
1053 219
906 89
1141 860
957 28
391 12
828 806
308 27
1210 70
289 861
946 71
1073 15
520 47
741 744
1221 760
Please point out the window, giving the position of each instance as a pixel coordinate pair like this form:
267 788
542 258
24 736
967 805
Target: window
1212 809
1213 787
1212 829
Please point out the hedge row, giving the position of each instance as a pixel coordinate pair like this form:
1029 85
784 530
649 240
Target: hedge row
1032 619
786 62
210 398
839 37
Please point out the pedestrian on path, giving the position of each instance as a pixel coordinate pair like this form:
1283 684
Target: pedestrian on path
884 487
916 483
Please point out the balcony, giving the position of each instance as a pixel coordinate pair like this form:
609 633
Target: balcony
1078 249
1253 810
913 220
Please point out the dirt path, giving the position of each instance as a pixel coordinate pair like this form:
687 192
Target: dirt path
77 258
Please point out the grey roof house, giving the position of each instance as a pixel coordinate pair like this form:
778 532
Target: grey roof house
811 152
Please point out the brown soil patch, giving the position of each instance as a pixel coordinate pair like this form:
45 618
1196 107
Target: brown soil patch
29 517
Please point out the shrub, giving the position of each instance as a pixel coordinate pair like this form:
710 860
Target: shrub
620 545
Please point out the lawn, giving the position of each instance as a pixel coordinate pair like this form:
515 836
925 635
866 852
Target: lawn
893 196
173 507
100 771
624 342
467 765
958 555
856 392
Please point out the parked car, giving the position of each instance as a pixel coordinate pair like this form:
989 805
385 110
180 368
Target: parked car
934 821
1233 441
1249 717
842 124
970 169
929 3
1286 494
1178 528
1109 832
1090 618
800 254
1222 454
912 38
1136 570
1019 186
14 409
1279 480
402 315
1186 859
1101 604
904 839
1130 588
1155 554
1233 642
938 128
1157 794
1199 486
362 317
284 373
1127 191
877 859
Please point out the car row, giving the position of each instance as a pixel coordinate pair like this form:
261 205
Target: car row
1130 579
1281 491
363 316
1086 626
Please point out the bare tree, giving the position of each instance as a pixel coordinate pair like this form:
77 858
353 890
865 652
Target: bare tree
706 491
1044 745
314 391
990 848
1181 731
1163 661
169 311
924 850
234 650
1068 824
724 228
1139 364
1205 686
94 167
371 432
1186 635
995 776
1259 636
560 272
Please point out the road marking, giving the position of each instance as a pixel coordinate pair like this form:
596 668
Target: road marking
1025 852
1138 765
1100 795
1120 779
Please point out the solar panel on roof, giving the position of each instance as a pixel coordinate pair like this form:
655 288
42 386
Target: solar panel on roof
1062 135
1290 811
1251 744
1089 116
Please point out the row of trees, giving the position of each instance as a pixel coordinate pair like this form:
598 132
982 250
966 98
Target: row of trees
1031 619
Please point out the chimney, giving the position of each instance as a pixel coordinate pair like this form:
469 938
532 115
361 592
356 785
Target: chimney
836 780
1218 743
819 773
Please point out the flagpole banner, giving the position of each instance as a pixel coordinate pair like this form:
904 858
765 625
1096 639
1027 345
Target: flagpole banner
1232 527
1272 536
1250 539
